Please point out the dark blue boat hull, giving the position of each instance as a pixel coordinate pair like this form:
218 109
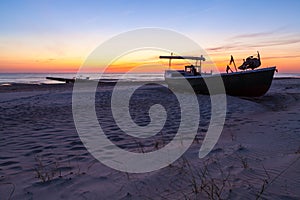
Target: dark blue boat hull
252 83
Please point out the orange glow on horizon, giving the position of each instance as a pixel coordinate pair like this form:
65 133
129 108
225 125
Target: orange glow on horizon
150 61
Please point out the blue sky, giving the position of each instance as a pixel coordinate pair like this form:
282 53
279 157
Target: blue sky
31 16
58 27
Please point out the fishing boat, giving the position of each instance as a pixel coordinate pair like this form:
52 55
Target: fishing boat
81 80
248 82
68 80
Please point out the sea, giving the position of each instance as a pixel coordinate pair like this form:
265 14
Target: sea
40 78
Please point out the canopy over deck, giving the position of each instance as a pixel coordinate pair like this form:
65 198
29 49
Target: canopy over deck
201 58
183 57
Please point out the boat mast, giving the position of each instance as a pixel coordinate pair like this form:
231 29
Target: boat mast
170 60
201 58
200 67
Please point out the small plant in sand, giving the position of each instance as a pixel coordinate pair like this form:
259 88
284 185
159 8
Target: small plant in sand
244 161
262 190
265 183
233 136
46 172
205 183
51 169
298 151
214 187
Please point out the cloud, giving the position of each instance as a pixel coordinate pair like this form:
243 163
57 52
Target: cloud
258 44
283 57
259 34
251 35
219 48
277 42
230 46
271 38
45 60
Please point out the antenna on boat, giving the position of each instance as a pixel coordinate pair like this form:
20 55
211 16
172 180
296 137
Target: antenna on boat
170 60
200 66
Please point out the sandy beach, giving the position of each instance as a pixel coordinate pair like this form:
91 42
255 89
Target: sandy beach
42 156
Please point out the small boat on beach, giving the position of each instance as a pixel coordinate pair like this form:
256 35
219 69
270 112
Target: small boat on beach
69 80
249 81
80 80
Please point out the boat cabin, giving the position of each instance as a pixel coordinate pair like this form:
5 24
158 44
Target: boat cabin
191 69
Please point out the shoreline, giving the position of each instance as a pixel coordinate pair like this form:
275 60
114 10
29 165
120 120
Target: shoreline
104 80
15 87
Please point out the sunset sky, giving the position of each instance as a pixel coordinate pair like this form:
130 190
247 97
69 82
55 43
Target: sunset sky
58 35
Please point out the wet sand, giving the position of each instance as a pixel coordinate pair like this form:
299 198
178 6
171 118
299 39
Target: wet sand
42 156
